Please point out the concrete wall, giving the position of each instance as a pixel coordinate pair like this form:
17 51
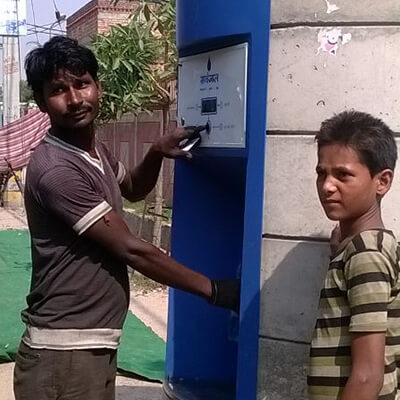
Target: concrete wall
305 87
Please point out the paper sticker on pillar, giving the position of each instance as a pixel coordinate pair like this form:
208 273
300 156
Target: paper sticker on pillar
331 7
331 39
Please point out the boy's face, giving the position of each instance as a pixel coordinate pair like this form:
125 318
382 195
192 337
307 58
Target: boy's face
345 186
71 101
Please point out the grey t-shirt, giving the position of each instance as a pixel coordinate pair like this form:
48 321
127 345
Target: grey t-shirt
77 286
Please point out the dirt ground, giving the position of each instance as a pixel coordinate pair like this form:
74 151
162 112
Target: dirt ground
149 305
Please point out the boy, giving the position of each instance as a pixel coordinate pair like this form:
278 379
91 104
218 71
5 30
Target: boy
80 244
355 350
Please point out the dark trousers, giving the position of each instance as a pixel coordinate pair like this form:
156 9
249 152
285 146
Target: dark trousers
64 374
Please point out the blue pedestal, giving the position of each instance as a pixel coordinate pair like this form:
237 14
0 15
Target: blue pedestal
217 219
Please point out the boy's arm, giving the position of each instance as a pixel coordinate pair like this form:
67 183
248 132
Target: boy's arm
367 358
139 182
368 277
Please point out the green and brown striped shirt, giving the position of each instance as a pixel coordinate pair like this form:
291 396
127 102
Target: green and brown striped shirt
360 294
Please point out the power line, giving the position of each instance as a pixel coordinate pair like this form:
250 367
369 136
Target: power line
55 5
18 42
44 28
34 20
59 17
32 32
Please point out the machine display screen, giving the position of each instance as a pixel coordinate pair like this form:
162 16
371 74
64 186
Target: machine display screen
209 106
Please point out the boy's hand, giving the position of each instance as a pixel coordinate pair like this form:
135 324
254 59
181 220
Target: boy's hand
226 294
335 240
168 145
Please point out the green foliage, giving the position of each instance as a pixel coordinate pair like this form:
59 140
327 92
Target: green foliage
137 62
25 92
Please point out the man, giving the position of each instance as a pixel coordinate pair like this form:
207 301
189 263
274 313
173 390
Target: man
80 244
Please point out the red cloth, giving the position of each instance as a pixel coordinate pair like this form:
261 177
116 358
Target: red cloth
19 138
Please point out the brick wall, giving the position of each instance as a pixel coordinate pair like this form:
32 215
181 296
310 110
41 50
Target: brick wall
97 16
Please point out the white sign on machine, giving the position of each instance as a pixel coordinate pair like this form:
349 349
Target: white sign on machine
213 91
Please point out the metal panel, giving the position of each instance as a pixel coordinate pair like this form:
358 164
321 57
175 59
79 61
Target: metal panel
213 90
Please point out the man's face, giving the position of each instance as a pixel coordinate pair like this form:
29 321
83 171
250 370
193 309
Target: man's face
345 186
71 101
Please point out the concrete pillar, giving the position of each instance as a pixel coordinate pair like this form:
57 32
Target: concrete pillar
11 73
309 81
11 110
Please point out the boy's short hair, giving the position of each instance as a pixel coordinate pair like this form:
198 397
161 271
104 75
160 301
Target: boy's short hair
370 137
58 53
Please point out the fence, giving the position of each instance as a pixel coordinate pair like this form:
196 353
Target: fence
129 140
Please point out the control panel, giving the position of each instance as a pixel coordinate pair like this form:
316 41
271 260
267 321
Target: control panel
212 91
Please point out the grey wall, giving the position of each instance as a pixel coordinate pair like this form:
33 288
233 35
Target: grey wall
304 89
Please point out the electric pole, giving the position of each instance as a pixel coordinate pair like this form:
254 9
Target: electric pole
12 25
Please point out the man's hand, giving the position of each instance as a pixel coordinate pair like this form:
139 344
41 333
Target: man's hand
139 182
168 145
226 294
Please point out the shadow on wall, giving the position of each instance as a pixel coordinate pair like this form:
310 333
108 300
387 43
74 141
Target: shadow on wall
293 274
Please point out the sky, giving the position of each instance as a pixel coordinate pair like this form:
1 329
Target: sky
44 11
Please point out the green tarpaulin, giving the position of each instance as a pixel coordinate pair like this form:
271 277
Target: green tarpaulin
141 351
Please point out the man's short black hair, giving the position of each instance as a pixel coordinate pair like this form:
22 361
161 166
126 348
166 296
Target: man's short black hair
58 53
370 137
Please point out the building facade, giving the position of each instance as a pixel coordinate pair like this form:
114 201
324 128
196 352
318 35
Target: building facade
98 16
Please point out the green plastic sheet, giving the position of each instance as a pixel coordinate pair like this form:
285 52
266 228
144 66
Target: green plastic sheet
141 353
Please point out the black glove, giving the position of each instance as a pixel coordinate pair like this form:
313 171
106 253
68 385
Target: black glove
226 294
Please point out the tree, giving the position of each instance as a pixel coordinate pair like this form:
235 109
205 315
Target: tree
137 65
25 92
137 62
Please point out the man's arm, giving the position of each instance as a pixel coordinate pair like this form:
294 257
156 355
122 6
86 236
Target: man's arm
112 233
368 366
139 182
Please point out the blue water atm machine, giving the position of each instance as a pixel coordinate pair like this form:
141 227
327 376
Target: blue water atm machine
218 196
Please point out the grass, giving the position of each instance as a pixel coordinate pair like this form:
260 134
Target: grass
141 283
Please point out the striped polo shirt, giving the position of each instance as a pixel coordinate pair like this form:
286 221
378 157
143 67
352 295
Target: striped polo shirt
360 294
79 292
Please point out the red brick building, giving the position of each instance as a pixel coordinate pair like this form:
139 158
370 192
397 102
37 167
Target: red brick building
98 16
